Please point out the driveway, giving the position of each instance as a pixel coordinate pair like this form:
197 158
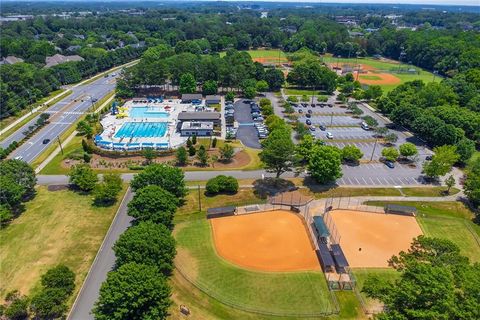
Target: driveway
246 130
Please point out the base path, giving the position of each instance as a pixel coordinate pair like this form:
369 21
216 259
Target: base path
370 239
266 241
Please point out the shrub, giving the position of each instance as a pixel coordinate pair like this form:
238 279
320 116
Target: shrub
221 183
214 142
59 277
292 99
229 96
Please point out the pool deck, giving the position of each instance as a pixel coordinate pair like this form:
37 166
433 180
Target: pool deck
172 139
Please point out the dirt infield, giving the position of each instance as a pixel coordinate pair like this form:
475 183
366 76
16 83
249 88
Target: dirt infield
266 241
271 60
385 78
379 236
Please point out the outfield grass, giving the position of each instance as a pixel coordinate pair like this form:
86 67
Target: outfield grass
56 227
448 220
276 292
362 76
263 53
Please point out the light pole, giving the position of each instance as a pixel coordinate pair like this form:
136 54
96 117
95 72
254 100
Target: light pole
434 74
356 63
373 151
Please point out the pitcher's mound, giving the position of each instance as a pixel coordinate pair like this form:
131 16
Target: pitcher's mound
267 241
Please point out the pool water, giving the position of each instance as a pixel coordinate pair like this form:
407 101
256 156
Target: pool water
148 112
142 130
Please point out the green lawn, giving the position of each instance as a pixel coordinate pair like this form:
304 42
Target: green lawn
268 53
448 220
282 292
56 227
362 76
362 274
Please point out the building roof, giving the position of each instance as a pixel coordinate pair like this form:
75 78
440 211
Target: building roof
191 96
11 60
339 256
194 125
213 98
322 229
59 59
324 254
199 116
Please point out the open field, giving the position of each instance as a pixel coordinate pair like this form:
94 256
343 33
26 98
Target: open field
267 56
370 239
269 292
374 66
448 220
56 227
277 241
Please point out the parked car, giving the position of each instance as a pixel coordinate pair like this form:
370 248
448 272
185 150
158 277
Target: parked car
390 164
364 126
45 141
309 111
308 115
322 127
300 111
304 105
18 158
312 128
429 158
258 119
329 135
308 122
312 105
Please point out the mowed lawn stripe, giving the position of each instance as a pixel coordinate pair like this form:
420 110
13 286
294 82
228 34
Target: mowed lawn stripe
269 292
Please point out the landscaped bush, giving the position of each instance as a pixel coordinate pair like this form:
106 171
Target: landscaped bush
221 183
292 99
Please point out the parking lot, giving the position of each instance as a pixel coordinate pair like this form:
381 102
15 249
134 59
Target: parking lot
246 129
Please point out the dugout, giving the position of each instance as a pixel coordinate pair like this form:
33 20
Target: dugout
321 229
325 258
401 210
339 257
221 212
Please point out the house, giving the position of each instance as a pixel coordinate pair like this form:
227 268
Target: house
214 117
194 128
212 99
74 48
11 60
191 98
59 59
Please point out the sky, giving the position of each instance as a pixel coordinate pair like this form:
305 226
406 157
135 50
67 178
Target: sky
436 2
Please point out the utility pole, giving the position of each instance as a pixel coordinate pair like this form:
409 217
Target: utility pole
373 151
60 144
331 119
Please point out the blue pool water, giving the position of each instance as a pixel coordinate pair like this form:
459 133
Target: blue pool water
142 130
148 112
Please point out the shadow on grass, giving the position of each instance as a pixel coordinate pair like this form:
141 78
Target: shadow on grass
271 186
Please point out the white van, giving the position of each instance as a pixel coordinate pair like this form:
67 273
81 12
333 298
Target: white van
365 126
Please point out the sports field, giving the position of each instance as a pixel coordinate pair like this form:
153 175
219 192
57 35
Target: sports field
266 56
369 239
282 293
277 241
381 72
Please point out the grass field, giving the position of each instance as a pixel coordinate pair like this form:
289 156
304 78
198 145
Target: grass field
366 77
56 227
282 292
448 220
386 65
362 274
265 54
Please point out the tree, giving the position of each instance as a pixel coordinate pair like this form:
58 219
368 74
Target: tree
229 96
275 78
472 183
351 153
17 308
278 152
191 151
106 192
261 86
147 243
188 83
169 178
59 277
408 149
83 177
153 203
465 149
390 138
304 148
373 92
21 173
390 154
435 283
442 162
202 155
214 142
181 156
133 292
149 154
381 131
250 92
49 303
194 140
210 87
324 163
221 183
450 182
227 152
85 129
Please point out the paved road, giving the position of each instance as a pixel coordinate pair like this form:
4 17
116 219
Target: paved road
62 115
103 263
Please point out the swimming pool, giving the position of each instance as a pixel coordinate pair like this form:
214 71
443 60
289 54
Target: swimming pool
142 130
148 112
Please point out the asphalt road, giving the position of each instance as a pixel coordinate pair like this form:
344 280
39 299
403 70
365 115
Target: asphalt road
103 263
62 115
